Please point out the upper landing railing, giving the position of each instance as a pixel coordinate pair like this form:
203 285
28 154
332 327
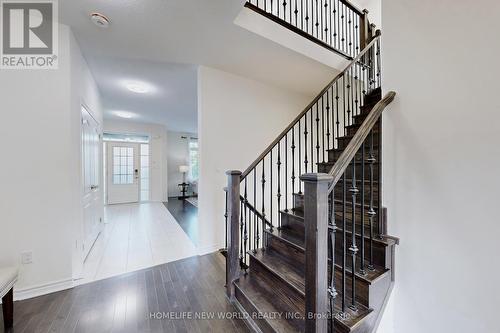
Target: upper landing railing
337 25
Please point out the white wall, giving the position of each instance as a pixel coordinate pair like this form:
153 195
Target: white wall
442 162
158 148
237 119
40 174
84 91
177 154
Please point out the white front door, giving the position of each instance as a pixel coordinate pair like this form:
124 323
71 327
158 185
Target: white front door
123 172
91 163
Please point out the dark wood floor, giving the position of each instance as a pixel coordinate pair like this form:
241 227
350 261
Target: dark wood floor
186 215
126 303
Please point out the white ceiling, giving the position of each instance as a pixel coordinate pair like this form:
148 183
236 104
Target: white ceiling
163 41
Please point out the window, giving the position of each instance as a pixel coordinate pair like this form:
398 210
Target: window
123 165
193 160
144 172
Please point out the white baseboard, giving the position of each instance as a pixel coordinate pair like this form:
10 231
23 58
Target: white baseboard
208 249
44 289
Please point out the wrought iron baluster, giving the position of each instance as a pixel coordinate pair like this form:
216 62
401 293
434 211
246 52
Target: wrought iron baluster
348 97
342 33
305 143
300 159
284 10
255 222
279 184
296 12
293 162
307 17
327 121
323 127
242 265
317 132
349 33
245 233
353 248
332 291
312 139
343 314
371 212
363 202
317 20
263 212
335 24
328 29
271 189
337 122
343 101
286 172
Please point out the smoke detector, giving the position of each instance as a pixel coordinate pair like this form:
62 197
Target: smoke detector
100 20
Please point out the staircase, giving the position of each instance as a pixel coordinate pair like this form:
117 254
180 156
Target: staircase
312 254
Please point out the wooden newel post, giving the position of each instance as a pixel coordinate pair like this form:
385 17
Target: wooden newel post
316 236
363 30
233 236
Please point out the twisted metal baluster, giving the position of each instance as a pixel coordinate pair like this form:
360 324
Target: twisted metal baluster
279 184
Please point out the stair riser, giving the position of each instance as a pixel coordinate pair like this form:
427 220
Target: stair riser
299 202
291 298
351 130
342 142
373 98
379 249
293 255
325 168
333 155
362 288
252 311
293 222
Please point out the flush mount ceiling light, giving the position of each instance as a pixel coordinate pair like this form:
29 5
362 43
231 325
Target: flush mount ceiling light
124 114
100 20
139 87
136 87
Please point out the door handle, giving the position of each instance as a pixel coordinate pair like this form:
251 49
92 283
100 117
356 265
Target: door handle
94 187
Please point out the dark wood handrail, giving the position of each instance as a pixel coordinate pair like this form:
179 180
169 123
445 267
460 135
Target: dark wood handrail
310 105
353 7
352 148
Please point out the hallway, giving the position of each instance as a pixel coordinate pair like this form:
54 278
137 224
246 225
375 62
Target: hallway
136 236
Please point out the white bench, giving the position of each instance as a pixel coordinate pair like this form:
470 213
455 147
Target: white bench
8 277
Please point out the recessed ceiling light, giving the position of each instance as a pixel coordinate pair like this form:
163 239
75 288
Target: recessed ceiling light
137 87
100 20
124 114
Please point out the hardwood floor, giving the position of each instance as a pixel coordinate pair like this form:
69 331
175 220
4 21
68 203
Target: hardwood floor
178 291
186 215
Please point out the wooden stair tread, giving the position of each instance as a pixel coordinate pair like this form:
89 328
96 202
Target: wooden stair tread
281 268
288 237
380 240
265 304
371 275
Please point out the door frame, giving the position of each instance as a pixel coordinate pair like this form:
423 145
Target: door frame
109 169
86 248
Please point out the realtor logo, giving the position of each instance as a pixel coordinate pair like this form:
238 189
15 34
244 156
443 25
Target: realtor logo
28 34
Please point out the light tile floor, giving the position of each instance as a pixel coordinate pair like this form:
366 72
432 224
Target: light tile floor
136 236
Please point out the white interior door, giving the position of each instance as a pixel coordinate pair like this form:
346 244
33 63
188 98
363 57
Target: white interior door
91 160
123 172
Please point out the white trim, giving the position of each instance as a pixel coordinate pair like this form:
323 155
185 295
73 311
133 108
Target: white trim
43 289
208 249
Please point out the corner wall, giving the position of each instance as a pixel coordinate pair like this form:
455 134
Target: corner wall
442 162
40 177
237 119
